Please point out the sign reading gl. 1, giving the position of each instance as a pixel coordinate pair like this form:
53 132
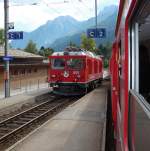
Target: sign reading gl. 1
96 33
14 35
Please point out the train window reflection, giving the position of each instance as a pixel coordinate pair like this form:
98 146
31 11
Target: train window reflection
144 52
75 63
58 63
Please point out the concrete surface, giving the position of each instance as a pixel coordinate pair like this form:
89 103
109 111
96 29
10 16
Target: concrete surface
14 102
80 127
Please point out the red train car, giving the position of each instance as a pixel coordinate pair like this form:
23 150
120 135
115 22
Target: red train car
74 71
130 76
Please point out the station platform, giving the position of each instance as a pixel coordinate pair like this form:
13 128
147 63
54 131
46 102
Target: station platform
16 101
80 127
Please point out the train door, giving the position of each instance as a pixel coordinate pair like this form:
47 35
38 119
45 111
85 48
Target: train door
114 84
139 78
119 71
120 102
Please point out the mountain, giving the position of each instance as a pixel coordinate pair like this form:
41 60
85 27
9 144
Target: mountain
59 32
106 20
47 33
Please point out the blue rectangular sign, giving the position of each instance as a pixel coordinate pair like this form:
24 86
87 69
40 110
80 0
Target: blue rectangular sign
91 33
96 33
15 35
7 58
101 33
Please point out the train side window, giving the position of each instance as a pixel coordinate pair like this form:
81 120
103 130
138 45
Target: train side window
140 78
77 64
140 50
144 71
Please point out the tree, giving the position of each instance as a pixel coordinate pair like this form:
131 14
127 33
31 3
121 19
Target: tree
45 51
88 43
101 50
71 44
31 47
105 50
2 39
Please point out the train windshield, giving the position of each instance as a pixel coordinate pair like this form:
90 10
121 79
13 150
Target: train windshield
58 63
75 63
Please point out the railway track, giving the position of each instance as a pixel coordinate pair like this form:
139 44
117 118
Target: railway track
12 128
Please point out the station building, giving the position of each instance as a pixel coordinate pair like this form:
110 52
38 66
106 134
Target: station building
26 70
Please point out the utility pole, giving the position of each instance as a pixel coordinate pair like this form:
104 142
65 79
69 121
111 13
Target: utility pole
6 72
96 13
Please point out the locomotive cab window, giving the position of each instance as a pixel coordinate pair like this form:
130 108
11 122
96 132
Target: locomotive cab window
75 63
58 63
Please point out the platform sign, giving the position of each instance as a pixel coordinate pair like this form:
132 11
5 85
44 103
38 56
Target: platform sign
91 33
7 58
96 33
15 35
101 33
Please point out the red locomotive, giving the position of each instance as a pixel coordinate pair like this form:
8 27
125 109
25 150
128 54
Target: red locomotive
74 71
130 76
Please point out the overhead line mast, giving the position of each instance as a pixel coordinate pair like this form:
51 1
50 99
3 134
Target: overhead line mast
96 13
6 73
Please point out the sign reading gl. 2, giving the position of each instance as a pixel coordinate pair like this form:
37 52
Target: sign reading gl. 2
96 33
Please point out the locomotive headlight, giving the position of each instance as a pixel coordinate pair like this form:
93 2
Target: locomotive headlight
78 76
75 80
66 74
53 76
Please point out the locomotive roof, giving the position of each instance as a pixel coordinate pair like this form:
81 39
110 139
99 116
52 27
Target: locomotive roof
76 53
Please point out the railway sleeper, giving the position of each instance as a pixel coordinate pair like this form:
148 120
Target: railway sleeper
37 112
43 109
1 136
4 129
30 116
33 113
20 122
12 125
25 119
5 132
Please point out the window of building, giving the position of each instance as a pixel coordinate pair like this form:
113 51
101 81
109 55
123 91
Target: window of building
15 72
35 70
22 71
29 71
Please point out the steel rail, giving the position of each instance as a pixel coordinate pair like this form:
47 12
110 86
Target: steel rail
19 122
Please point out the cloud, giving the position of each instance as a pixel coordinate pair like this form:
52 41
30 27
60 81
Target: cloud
2 15
28 17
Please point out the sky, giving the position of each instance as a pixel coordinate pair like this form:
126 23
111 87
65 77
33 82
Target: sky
28 15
